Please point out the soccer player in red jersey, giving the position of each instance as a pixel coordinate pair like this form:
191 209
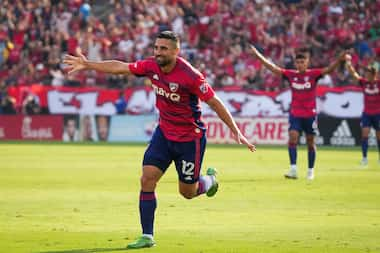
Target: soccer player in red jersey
180 135
302 116
371 113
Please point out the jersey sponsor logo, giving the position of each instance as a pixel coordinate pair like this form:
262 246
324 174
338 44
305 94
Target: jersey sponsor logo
371 91
169 95
173 87
203 88
301 86
342 136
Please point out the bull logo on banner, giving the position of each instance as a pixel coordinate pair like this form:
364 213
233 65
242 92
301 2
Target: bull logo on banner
78 103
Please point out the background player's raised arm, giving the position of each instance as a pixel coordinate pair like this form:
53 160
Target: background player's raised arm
268 64
217 105
351 68
80 62
334 64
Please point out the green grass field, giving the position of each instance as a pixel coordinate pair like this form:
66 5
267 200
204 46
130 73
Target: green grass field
84 198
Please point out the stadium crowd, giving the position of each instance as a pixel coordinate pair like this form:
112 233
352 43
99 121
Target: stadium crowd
215 34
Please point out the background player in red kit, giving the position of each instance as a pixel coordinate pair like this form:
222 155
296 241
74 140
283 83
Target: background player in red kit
180 135
371 112
302 116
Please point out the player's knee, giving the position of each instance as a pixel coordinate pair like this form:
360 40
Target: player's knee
187 195
147 181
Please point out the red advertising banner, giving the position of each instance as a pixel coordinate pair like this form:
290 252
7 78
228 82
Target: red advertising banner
257 130
23 127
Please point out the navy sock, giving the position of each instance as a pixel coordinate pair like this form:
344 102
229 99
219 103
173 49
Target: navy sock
311 156
148 204
292 148
364 147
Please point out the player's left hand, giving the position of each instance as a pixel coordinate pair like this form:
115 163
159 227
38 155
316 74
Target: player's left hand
240 138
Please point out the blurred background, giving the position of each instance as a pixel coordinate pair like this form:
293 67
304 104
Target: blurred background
47 104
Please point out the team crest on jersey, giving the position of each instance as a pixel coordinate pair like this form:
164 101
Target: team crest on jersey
296 79
173 87
155 77
203 88
306 78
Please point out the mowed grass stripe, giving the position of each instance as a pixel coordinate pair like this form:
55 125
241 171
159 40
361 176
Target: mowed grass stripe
84 198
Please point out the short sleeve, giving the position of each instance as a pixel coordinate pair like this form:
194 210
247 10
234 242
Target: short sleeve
362 81
138 68
202 89
285 72
316 73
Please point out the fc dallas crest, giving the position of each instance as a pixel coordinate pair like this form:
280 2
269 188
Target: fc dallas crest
173 87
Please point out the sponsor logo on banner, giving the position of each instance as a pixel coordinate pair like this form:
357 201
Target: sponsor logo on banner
256 130
319 140
28 132
372 140
19 127
342 136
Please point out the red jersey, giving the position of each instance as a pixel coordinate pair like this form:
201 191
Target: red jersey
178 95
304 91
371 91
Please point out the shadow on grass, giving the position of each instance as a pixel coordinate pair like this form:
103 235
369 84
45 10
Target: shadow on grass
86 250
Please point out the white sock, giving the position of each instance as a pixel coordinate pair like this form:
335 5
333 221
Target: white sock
293 167
148 235
207 181
311 169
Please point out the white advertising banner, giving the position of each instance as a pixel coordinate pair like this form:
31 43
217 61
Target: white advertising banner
257 130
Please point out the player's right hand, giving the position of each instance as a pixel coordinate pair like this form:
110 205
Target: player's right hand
347 57
75 63
240 138
253 48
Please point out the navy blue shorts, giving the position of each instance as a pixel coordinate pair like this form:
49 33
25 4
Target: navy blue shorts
308 125
370 121
187 156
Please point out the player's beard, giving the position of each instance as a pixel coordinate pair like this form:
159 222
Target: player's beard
163 61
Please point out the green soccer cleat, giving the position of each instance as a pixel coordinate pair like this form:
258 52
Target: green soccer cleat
214 188
141 242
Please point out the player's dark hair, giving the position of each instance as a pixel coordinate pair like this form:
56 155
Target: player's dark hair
169 35
302 52
301 56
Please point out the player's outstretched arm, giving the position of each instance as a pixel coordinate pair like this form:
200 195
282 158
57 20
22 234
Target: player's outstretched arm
334 64
80 62
351 68
269 65
217 105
